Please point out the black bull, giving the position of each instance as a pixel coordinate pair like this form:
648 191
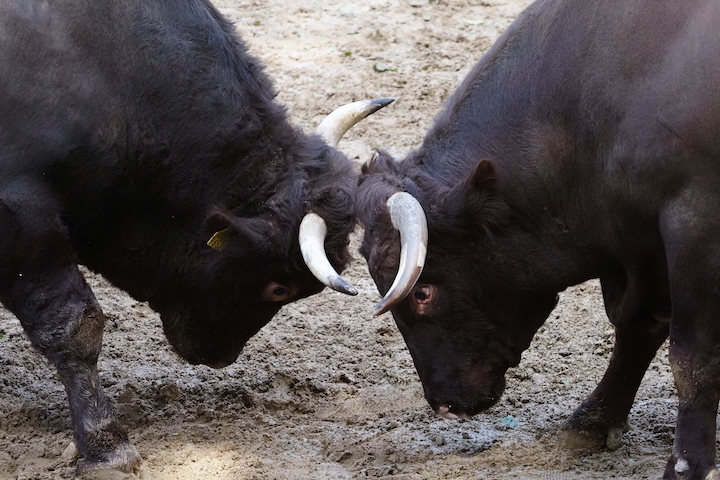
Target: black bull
131 133
584 144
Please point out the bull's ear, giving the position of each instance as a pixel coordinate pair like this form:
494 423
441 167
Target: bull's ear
483 205
474 200
222 227
381 162
482 183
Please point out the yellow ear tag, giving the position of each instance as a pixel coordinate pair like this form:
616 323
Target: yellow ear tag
219 239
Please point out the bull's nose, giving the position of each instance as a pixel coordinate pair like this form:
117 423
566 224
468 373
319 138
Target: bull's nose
447 411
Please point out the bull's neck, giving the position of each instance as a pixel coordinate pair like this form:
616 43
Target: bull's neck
547 234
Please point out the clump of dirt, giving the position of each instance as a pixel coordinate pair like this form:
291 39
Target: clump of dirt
327 390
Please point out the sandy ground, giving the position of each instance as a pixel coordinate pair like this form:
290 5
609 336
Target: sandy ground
326 391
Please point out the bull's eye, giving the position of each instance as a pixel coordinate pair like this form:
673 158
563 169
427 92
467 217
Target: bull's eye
276 292
424 294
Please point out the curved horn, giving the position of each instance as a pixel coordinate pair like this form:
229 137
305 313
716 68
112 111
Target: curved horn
334 126
313 228
312 245
409 218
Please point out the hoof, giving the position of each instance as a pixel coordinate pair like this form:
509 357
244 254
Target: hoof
122 464
591 440
681 470
577 440
108 474
614 438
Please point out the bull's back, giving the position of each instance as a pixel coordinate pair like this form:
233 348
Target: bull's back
655 109
95 79
604 110
49 88
633 84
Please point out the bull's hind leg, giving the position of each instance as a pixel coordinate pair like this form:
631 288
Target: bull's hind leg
42 286
641 327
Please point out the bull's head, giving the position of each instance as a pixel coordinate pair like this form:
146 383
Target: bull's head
275 255
462 307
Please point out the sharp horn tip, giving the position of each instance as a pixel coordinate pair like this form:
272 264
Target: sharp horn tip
350 290
379 103
339 284
384 101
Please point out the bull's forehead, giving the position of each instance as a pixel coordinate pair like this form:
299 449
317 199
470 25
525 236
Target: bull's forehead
381 249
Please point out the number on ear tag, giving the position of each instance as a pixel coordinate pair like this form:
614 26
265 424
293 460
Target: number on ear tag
220 239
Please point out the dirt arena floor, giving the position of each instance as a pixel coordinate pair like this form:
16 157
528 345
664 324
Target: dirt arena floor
327 391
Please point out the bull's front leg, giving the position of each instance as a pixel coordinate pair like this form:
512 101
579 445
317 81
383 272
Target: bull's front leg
42 286
695 361
602 417
64 321
639 311
693 260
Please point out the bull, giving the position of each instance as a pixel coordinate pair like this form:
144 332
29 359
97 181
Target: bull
134 136
584 144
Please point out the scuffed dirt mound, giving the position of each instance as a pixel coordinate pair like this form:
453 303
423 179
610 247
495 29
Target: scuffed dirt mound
326 391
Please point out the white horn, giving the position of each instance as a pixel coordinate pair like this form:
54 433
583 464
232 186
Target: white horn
312 245
313 228
408 217
334 126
